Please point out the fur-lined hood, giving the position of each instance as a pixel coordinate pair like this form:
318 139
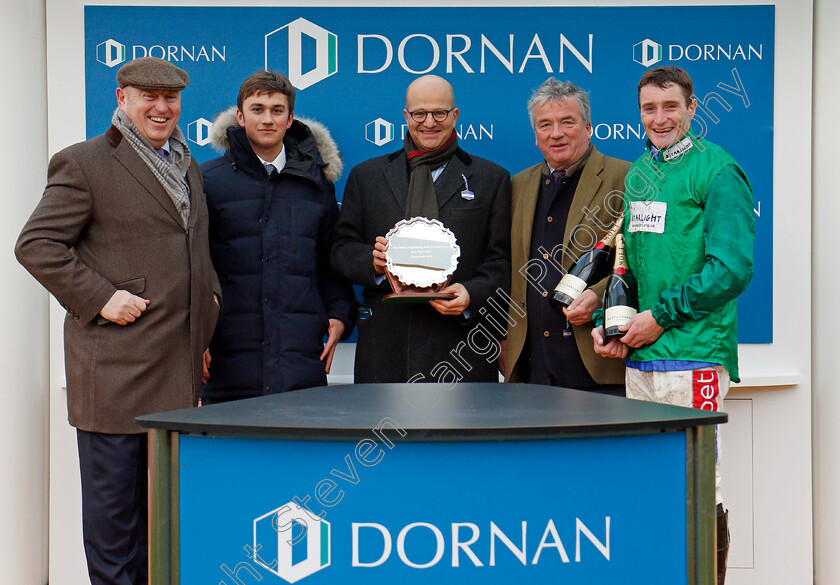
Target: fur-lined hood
301 128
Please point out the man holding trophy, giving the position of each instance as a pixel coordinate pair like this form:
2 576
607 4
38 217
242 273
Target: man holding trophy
429 328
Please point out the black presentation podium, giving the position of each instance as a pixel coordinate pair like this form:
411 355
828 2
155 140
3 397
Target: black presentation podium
433 483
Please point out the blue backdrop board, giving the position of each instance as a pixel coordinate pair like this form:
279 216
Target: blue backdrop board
351 67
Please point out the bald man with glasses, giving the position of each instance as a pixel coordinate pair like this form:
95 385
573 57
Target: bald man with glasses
432 177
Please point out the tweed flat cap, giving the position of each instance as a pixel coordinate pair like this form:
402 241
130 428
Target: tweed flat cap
152 73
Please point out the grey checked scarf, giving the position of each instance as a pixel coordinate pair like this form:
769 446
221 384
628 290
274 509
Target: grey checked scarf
172 174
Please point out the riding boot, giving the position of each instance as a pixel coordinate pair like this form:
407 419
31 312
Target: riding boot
722 542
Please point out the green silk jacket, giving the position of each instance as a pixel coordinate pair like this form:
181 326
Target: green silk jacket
690 274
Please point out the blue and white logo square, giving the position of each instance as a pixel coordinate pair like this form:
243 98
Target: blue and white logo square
291 543
110 53
647 53
379 132
199 130
306 51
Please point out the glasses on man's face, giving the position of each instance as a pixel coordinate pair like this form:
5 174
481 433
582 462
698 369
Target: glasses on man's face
420 116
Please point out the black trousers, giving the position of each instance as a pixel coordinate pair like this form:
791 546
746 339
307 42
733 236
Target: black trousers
535 369
115 487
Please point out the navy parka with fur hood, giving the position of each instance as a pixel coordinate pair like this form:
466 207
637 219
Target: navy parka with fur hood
269 242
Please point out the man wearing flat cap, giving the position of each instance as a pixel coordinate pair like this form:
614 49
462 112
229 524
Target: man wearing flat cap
120 239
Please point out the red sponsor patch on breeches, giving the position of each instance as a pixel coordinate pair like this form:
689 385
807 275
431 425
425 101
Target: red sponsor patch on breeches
705 386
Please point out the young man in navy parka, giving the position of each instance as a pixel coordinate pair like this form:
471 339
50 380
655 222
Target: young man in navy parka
272 209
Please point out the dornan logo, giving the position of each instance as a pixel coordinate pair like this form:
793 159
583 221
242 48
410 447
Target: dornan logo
618 131
647 53
199 131
291 542
110 53
379 132
284 51
309 53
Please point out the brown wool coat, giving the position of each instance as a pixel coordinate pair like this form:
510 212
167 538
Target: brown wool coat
600 176
105 223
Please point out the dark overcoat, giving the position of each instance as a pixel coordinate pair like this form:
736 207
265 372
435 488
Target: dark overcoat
402 342
106 223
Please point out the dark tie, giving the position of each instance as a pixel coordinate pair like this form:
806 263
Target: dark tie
557 179
163 154
269 168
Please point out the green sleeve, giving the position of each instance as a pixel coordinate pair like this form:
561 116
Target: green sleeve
728 234
598 317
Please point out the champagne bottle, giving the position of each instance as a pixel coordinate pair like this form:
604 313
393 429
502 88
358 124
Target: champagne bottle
621 298
590 268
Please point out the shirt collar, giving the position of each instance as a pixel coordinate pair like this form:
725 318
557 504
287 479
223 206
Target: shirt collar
574 167
675 150
437 172
279 162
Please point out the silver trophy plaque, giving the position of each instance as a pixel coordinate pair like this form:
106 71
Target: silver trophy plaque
421 257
